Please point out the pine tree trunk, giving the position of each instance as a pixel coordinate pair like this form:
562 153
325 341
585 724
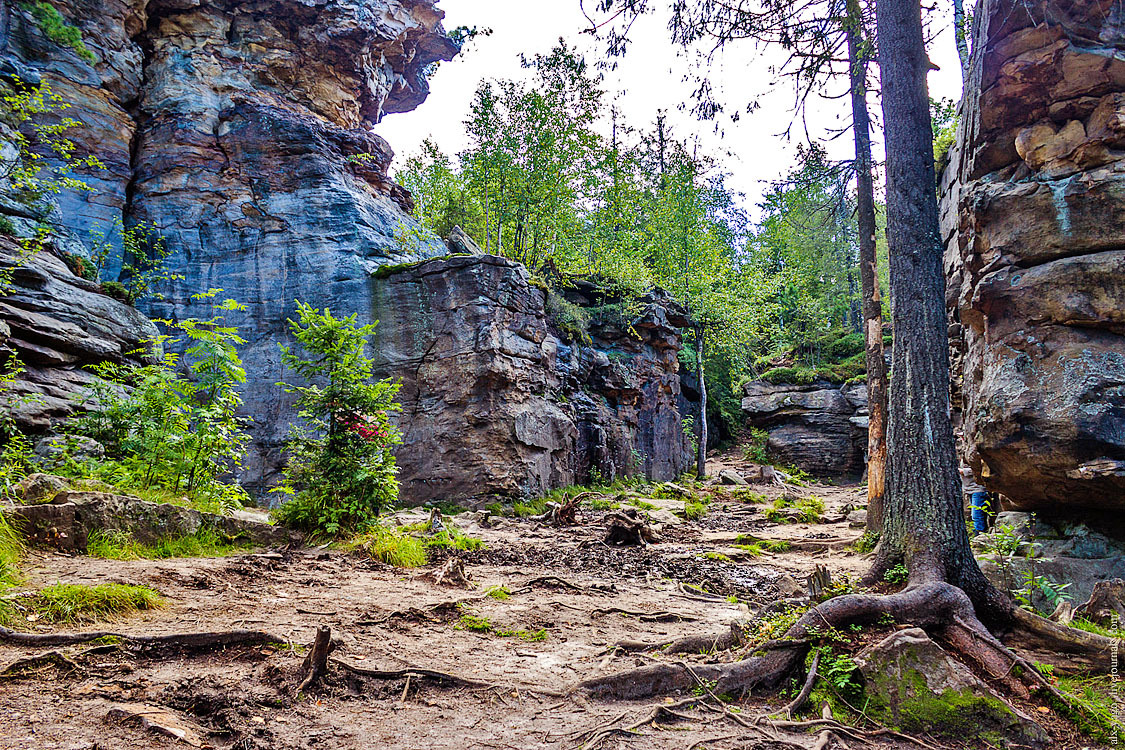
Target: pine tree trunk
869 278
701 449
923 521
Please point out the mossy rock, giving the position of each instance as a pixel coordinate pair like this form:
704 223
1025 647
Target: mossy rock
913 684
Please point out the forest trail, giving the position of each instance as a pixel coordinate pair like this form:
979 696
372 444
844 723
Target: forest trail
568 599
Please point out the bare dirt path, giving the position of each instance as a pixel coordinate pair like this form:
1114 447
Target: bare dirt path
572 598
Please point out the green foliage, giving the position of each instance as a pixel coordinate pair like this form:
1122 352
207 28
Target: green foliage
341 472
499 593
73 603
866 543
16 457
694 510
454 538
52 23
140 252
896 574
481 624
391 545
1094 706
943 114
755 448
1093 627
809 509
1017 561
163 430
572 321
840 672
119 545
45 158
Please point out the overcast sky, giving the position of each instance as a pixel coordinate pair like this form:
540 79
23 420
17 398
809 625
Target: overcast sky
650 78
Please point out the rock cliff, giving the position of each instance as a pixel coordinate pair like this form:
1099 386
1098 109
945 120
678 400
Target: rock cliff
1033 209
820 428
243 132
497 403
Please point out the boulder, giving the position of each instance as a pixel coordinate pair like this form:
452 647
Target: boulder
910 682
67 521
56 450
732 477
1033 202
820 428
857 518
39 488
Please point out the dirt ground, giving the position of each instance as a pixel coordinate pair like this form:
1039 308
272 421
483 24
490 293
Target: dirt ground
584 595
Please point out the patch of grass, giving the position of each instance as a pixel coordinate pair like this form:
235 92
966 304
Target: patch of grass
694 510
481 624
716 556
602 503
474 623
392 546
808 509
1093 627
73 603
743 495
499 593
119 545
755 546
533 507
454 538
10 550
1092 707
636 502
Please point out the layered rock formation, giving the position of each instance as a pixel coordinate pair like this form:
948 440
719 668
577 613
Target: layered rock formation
1033 210
820 428
497 403
241 131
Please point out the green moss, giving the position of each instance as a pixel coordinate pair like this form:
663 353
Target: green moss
718 556
119 292
391 269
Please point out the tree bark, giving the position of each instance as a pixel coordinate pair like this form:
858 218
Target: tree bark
961 38
701 449
869 277
923 521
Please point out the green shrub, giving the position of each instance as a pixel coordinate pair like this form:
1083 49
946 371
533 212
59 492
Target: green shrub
572 321
341 471
7 226
809 509
167 432
119 292
694 510
79 266
755 448
56 28
73 603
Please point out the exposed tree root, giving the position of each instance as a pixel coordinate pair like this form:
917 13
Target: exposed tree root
1072 648
19 667
692 644
645 616
316 662
184 642
415 673
806 690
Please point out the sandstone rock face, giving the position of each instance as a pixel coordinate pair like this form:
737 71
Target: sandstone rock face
820 428
1033 209
495 403
242 131
57 323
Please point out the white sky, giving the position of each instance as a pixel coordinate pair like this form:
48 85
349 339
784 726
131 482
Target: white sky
648 79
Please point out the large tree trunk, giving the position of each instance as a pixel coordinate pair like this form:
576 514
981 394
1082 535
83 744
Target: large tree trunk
869 278
923 521
701 450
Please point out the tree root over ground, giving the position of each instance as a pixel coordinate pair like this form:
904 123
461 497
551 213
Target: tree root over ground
182 642
941 608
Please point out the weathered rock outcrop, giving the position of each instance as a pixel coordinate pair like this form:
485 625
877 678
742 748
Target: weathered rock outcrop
1033 217
496 403
820 428
58 323
242 132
